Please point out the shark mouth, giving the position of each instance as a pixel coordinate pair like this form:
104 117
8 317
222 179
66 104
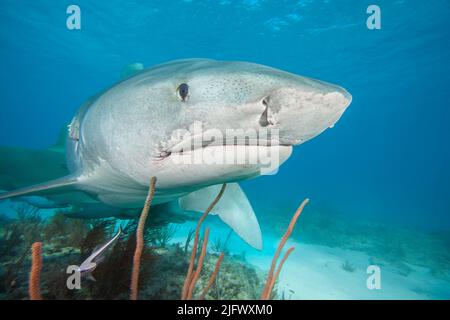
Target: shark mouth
215 138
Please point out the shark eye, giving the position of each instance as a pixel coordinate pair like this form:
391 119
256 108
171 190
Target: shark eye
183 91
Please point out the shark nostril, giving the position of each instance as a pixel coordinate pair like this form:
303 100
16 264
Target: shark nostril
265 101
264 119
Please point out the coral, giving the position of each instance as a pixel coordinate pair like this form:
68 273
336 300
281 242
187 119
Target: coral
140 241
77 232
221 246
189 276
271 277
27 213
63 232
35 273
11 276
56 227
160 236
162 273
95 236
235 280
347 266
287 297
213 276
113 274
188 239
196 274
54 282
163 267
17 235
165 278
29 223
11 240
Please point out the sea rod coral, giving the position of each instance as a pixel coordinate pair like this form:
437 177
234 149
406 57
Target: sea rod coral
194 271
271 277
191 278
35 273
140 241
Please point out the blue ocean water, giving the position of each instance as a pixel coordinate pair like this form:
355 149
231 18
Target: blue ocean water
386 160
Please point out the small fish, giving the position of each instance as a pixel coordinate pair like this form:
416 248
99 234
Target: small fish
89 265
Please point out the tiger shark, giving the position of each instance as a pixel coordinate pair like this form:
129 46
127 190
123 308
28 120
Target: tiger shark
131 132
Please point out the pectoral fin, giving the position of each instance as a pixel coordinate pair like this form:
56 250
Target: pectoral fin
54 186
233 208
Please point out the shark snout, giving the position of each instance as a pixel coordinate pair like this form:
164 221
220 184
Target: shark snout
301 113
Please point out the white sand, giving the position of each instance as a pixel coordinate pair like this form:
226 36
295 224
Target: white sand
315 272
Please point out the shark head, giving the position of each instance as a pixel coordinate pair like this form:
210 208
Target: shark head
241 95
194 123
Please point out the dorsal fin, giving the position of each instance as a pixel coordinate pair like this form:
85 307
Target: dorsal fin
131 69
60 144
